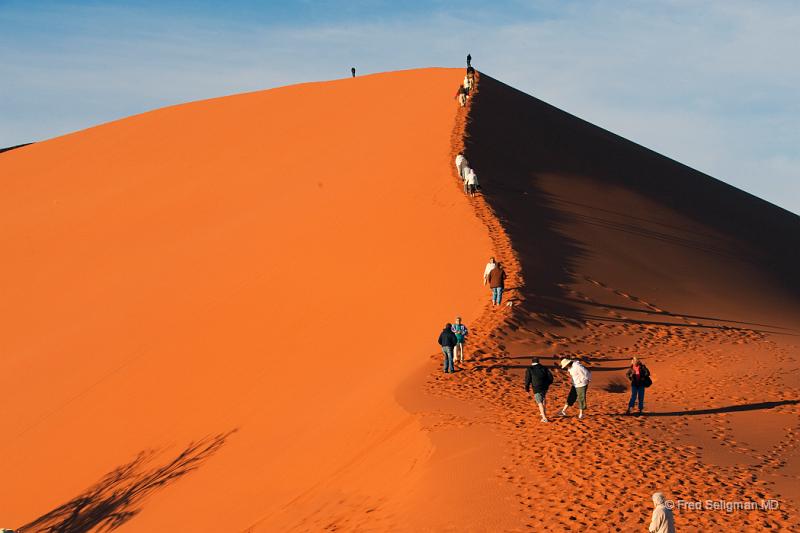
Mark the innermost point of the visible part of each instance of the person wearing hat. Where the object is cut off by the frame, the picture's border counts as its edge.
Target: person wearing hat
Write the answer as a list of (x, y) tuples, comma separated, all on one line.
[(538, 378), (580, 381), (663, 520)]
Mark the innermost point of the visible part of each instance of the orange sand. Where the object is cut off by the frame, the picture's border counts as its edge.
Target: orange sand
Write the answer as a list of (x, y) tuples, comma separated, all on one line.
[(275, 262), (280, 263)]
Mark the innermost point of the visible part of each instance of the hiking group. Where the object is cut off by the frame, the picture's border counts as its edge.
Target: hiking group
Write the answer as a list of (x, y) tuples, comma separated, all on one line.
[(538, 377), (467, 85), (467, 175)]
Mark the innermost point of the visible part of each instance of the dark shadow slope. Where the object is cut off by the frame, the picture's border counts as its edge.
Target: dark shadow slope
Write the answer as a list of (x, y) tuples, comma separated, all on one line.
[(515, 139), (13, 147)]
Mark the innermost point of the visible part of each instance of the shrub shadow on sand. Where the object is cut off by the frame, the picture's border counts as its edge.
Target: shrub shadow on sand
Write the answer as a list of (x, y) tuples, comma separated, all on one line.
[(120, 494)]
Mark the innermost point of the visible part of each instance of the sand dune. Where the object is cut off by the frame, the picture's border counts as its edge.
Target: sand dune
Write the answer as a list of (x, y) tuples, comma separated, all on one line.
[(275, 263), (222, 316)]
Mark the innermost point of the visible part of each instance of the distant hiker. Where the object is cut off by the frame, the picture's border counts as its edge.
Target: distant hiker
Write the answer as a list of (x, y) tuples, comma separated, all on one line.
[(580, 381), (469, 61), (471, 75), (471, 182), (448, 340), (497, 282), (353, 71), (639, 376), (538, 378), (489, 266), (461, 333), (466, 170), (461, 164), (663, 520), (468, 83), (461, 96)]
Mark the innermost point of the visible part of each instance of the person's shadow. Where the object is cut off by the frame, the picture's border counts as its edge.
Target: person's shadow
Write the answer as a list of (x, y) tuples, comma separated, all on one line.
[(120, 494), (727, 409)]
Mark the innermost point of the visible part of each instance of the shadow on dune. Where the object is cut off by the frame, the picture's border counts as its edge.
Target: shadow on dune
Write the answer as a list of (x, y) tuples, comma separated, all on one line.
[(120, 494), (9, 148), (728, 409), (628, 309), (515, 139)]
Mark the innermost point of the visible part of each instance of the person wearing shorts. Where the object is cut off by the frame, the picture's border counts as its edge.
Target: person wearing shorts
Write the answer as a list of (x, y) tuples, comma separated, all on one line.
[(538, 378), (461, 333), (580, 381)]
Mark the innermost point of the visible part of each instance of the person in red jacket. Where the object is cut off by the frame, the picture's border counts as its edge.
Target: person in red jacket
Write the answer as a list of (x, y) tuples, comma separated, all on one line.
[(639, 376), (497, 282)]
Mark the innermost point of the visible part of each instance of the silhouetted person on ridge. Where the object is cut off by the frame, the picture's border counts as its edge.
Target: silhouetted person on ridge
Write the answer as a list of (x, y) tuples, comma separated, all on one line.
[(353, 71), (469, 61)]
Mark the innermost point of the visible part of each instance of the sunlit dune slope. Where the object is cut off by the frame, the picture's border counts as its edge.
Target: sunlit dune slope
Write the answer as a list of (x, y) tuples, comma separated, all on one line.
[(273, 263)]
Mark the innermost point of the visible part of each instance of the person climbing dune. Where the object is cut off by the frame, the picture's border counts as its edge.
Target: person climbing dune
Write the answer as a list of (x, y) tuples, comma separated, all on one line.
[(471, 182), (461, 333), (639, 376), (489, 267), (461, 164), (538, 378), (580, 382), (448, 341), (461, 96), (497, 282)]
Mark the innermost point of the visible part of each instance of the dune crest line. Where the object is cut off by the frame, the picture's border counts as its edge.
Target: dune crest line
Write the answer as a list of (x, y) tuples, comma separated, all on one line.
[(491, 319)]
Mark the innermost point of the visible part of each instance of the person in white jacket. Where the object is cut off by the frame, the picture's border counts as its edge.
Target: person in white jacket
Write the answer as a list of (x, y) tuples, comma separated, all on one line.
[(489, 267), (461, 164), (580, 381), (663, 520), (470, 182)]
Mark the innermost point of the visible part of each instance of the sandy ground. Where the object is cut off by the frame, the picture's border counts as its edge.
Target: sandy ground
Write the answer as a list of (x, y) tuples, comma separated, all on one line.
[(251, 288), (275, 264)]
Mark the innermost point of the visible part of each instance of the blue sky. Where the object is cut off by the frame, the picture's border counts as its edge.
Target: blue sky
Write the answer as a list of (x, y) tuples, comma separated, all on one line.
[(713, 84)]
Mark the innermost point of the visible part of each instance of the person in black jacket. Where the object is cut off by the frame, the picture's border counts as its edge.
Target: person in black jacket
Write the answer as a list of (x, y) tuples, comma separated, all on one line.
[(538, 378), (448, 340), (639, 376)]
